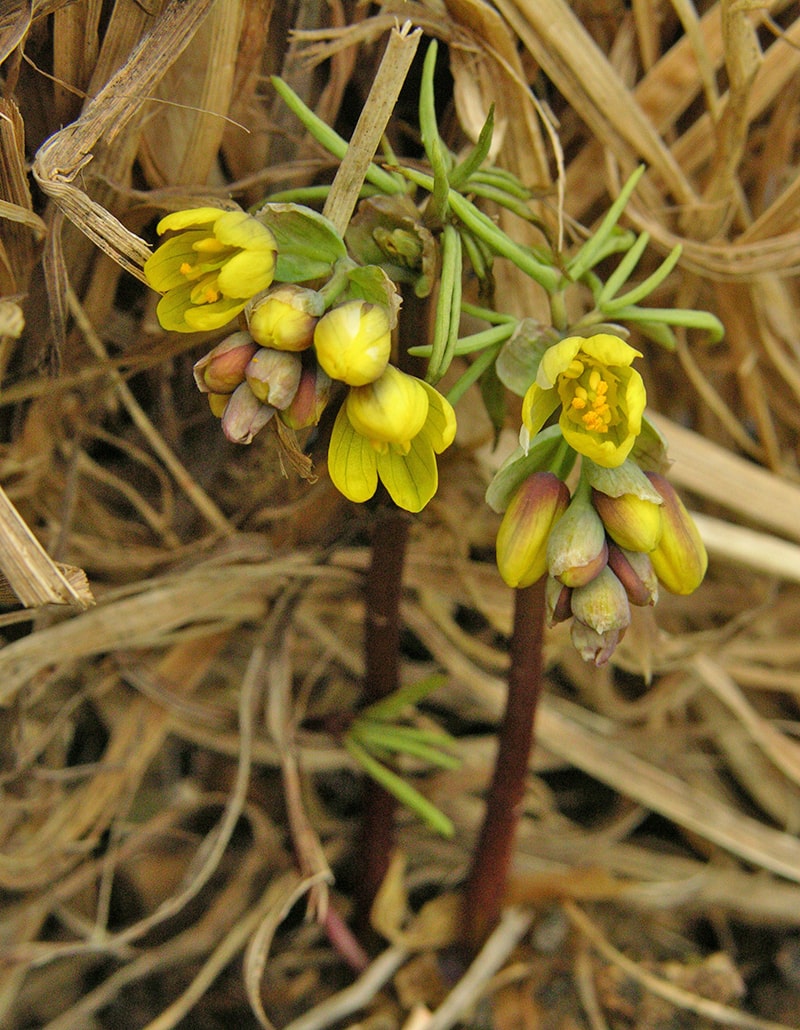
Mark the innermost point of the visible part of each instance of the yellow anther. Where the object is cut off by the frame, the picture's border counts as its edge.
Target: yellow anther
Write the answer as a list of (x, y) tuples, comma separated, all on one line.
[(594, 379), (579, 403)]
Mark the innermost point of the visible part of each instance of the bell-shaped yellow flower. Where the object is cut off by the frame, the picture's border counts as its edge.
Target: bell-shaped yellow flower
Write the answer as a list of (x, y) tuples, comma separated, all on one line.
[(210, 268), (391, 429), (602, 398)]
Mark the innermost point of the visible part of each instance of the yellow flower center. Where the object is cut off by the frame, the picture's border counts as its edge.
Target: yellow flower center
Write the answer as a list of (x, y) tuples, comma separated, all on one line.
[(211, 255), (588, 392)]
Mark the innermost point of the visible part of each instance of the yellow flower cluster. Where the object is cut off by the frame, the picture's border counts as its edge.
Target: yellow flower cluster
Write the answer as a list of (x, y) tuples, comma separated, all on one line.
[(220, 264), (602, 550)]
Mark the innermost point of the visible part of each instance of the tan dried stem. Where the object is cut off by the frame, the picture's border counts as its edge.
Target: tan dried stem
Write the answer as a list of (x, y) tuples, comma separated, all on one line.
[(371, 125)]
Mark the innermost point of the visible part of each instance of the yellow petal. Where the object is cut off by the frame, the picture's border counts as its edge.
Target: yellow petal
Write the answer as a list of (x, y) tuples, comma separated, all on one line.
[(352, 463), (557, 359), (238, 229), (247, 273), (440, 425), (205, 317), (192, 218), (609, 350), (412, 478), (163, 268), (537, 407)]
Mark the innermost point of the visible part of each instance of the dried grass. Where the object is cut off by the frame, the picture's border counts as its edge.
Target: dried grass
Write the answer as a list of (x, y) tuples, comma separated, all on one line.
[(167, 798)]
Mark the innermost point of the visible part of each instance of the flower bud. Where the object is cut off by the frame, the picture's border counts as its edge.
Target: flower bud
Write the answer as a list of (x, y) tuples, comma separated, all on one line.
[(577, 548), (631, 521), (593, 646), (353, 342), (534, 510), (602, 604), (222, 369), (393, 409), (285, 318), (680, 559), (274, 375), (244, 415), (311, 397), (558, 601), (635, 571)]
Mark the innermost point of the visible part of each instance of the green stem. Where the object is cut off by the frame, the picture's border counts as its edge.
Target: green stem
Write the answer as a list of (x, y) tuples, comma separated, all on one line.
[(491, 861)]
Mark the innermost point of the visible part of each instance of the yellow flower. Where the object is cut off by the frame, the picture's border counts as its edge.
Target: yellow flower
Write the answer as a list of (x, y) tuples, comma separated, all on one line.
[(392, 429), (209, 270), (602, 398), (353, 342)]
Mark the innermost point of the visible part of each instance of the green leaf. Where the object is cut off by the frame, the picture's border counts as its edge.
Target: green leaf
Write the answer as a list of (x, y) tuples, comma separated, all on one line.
[(330, 139), (429, 130), (626, 478), (448, 307), (494, 398), (408, 740), (472, 162), (402, 790), (645, 288), (308, 244), (594, 248), (548, 452), (702, 320), (372, 284), (404, 697), (518, 361)]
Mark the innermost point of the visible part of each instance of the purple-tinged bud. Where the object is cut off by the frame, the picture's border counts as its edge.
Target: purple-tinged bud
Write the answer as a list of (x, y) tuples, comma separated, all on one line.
[(522, 538), (631, 521), (285, 318), (593, 646), (311, 397), (244, 415), (602, 604), (635, 571), (274, 375), (222, 369), (558, 601), (577, 550), (680, 559)]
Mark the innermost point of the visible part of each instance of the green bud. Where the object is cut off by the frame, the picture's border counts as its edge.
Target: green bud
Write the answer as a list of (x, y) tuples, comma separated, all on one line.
[(353, 342), (285, 318), (244, 415), (680, 559), (223, 368), (630, 521), (534, 510), (577, 550), (274, 375), (602, 604)]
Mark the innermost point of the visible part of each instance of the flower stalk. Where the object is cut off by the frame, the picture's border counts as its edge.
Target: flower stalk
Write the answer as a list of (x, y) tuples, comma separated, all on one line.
[(491, 861)]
